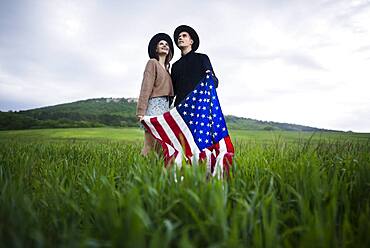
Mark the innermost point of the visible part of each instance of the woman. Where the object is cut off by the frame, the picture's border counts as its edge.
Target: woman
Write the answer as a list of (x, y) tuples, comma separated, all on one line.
[(156, 88)]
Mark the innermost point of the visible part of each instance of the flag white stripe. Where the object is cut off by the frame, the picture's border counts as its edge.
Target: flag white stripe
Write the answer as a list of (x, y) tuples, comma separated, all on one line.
[(219, 166), (209, 161), (171, 151), (151, 127), (185, 130), (170, 133), (178, 160), (223, 147)]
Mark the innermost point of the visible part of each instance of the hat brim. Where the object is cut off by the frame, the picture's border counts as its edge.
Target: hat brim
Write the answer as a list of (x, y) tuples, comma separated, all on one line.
[(194, 36), (152, 47)]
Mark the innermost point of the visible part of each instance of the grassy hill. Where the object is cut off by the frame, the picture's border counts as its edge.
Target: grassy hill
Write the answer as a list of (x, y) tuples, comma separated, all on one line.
[(242, 123), (86, 113), (118, 112)]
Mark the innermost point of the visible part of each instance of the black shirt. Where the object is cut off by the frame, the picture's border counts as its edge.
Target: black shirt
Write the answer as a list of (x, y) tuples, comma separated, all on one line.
[(187, 72)]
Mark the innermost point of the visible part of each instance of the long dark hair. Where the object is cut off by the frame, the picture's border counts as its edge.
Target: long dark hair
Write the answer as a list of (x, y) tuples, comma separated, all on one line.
[(168, 59)]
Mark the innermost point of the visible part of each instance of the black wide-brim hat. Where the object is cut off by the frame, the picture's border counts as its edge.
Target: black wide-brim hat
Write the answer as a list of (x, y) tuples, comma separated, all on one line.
[(154, 41), (194, 36)]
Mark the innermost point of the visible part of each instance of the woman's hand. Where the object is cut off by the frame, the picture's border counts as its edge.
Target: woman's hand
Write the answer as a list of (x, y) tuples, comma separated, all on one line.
[(140, 117)]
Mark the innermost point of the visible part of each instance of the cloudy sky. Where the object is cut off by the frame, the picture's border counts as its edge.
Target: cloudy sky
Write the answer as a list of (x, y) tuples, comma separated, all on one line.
[(303, 62)]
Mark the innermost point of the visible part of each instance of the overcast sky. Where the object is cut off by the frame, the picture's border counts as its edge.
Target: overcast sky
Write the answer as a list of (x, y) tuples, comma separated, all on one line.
[(302, 62)]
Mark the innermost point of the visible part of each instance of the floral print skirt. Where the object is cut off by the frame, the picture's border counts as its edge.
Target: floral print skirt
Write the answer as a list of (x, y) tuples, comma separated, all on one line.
[(157, 106)]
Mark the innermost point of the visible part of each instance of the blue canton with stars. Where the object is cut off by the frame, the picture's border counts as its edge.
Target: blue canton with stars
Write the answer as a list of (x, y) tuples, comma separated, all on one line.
[(202, 113)]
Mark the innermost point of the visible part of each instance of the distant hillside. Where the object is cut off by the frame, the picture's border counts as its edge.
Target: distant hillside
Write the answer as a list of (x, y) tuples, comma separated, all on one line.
[(86, 113), (235, 122), (119, 112)]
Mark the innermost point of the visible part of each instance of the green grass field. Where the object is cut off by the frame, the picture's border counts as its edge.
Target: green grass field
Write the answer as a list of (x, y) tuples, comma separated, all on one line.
[(90, 187), (135, 134)]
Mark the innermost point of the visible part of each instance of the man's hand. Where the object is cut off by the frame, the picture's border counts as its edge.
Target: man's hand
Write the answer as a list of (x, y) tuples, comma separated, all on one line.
[(140, 117), (215, 79)]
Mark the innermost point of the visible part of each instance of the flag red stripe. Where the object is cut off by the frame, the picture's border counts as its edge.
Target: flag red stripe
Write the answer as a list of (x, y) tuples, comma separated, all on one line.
[(163, 139), (164, 146), (160, 130), (217, 147), (229, 145), (178, 133), (213, 162)]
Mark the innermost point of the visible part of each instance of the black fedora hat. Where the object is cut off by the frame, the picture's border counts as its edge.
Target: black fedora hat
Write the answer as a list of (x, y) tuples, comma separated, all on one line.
[(154, 41), (194, 36)]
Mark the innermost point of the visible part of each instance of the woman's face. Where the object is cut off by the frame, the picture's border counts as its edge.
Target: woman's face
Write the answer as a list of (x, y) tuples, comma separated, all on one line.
[(162, 47)]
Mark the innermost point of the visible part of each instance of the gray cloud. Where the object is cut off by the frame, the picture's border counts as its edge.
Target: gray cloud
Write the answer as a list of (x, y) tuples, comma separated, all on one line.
[(294, 59), (58, 51), (302, 60)]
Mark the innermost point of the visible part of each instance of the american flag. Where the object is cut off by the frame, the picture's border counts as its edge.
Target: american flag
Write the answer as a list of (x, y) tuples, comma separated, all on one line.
[(195, 130)]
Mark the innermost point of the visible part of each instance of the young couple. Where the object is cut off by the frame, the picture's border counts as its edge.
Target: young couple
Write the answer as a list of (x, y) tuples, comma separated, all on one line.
[(158, 86)]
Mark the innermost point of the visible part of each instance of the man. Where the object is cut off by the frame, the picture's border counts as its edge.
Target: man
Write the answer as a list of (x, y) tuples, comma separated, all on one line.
[(187, 72)]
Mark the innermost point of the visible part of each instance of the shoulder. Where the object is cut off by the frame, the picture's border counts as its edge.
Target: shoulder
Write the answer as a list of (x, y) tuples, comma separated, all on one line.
[(175, 64), (202, 56), (151, 66), (151, 63)]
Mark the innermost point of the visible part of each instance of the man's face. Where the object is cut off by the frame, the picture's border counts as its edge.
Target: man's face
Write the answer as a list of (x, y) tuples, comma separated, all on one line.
[(184, 40)]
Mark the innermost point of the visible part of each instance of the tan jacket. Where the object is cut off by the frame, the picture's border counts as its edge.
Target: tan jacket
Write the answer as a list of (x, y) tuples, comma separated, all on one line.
[(156, 82)]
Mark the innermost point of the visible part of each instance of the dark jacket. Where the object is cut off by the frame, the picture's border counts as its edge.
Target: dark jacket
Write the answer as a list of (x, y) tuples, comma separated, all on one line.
[(187, 72)]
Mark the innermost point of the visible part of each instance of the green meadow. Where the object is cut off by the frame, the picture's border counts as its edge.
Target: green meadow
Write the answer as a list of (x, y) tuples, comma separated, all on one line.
[(90, 187), (135, 134)]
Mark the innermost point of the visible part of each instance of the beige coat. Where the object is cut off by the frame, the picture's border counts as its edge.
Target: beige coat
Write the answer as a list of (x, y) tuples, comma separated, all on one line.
[(156, 82)]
